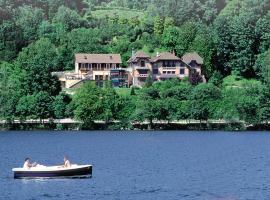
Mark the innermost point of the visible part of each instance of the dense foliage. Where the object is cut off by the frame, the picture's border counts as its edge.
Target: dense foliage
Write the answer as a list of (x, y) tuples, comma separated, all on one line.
[(41, 36)]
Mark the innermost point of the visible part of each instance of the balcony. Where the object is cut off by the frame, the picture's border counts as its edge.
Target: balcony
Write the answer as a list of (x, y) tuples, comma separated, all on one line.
[(142, 75), (141, 68), (168, 68)]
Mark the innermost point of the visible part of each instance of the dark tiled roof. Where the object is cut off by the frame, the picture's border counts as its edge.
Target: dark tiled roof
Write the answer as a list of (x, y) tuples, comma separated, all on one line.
[(98, 58), (189, 57)]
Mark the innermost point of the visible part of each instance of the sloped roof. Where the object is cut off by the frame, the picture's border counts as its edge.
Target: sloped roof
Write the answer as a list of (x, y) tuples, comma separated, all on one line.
[(165, 56), (98, 58), (188, 57), (141, 54), (138, 54)]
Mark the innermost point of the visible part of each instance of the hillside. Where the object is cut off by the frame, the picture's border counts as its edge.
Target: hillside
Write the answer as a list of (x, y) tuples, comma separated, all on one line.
[(121, 13)]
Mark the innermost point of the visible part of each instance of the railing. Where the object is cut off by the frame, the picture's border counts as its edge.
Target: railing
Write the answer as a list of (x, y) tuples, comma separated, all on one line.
[(142, 75), (169, 68), (140, 67), (73, 77), (98, 69)]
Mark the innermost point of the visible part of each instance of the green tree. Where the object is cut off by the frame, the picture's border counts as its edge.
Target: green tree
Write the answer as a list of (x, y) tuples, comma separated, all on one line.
[(11, 90), (148, 82), (108, 101), (69, 18), (29, 20), (158, 26), (170, 38), (87, 104), (148, 106), (60, 104), (77, 41), (216, 78), (11, 40), (132, 92), (38, 60), (203, 101), (26, 107), (43, 107), (204, 45), (185, 38)]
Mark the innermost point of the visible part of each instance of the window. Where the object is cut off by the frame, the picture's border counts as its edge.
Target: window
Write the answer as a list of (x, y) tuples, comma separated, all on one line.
[(193, 63), (173, 72), (164, 72), (142, 63), (155, 71), (164, 64), (169, 72), (182, 71)]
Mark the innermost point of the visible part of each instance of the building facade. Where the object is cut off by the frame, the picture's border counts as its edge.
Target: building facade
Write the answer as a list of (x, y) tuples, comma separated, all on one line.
[(161, 67), (97, 67), (102, 67), (94, 67)]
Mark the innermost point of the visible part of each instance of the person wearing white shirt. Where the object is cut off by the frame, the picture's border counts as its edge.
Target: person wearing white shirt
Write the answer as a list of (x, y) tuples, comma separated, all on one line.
[(27, 164), (67, 163)]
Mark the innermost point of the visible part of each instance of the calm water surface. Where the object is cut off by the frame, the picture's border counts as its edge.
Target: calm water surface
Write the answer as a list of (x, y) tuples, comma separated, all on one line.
[(141, 165)]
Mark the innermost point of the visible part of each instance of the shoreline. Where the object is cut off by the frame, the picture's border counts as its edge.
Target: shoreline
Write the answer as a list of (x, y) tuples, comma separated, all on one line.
[(188, 125)]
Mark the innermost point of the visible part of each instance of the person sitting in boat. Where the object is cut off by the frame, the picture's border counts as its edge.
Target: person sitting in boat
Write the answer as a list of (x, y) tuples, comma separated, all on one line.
[(27, 164), (67, 163)]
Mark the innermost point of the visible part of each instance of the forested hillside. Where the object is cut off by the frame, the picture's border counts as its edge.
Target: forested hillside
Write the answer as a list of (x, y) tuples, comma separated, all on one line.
[(42, 36)]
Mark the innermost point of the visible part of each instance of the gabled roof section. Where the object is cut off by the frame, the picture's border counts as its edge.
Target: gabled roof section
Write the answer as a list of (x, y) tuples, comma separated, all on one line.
[(165, 56), (138, 54), (98, 58), (194, 56)]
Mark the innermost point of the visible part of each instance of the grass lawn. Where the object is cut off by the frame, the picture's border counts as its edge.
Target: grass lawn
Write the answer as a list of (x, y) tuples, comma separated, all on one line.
[(123, 13), (123, 91), (235, 81)]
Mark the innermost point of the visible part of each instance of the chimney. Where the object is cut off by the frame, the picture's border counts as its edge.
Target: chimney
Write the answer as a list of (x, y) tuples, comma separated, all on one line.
[(111, 57), (133, 53), (157, 54)]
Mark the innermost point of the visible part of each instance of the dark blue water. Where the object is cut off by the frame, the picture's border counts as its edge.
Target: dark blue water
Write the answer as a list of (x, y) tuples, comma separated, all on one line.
[(141, 165)]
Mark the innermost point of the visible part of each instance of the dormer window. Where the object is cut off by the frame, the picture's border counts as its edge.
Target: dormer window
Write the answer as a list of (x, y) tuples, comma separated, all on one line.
[(193, 63), (142, 63)]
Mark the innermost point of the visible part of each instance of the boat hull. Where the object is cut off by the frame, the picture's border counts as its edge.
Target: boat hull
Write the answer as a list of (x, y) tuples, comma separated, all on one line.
[(79, 172)]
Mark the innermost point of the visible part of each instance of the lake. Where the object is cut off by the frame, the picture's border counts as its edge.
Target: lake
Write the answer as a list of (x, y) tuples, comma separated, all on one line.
[(161, 165)]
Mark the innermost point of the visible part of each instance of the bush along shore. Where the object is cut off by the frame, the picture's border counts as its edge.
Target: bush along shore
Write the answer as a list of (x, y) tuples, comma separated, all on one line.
[(113, 126)]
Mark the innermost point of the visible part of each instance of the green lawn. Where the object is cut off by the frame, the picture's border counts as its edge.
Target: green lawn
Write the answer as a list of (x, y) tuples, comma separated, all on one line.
[(122, 13), (236, 81), (123, 91)]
